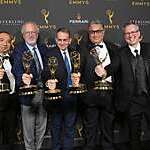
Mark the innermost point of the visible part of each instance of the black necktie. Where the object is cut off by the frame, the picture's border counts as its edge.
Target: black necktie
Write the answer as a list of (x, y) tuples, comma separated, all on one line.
[(136, 53), (68, 69), (37, 62)]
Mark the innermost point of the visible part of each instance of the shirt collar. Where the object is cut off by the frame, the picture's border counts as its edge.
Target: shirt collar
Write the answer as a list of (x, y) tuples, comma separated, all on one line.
[(138, 47), (62, 51), (31, 47)]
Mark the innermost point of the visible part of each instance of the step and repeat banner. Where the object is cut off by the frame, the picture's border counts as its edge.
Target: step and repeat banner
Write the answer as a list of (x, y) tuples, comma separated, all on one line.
[(74, 14)]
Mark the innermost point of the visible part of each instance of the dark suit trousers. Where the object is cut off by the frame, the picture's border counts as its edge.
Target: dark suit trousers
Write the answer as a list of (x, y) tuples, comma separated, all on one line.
[(8, 120), (98, 114), (134, 119), (63, 123)]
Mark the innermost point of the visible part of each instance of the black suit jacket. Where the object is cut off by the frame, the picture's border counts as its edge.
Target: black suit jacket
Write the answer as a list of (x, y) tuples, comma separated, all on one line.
[(125, 78), (88, 74), (61, 72), (69, 101), (88, 62), (7, 101)]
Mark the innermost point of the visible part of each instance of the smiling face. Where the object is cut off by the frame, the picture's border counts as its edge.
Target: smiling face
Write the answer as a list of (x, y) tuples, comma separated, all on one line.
[(30, 33), (132, 34), (5, 43), (63, 40), (96, 33)]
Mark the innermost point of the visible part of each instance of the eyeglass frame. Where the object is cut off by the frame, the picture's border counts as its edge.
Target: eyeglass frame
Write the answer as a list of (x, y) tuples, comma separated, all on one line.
[(132, 32), (96, 31)]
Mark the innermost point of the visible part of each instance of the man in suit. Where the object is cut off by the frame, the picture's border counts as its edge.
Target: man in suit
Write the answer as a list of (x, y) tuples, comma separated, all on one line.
[(34, 116), (8, 99), (98, 111), (63, 116), (132, 67)]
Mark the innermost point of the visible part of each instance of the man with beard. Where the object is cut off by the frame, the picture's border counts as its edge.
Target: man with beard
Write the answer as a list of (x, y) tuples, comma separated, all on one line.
[(34, 117)]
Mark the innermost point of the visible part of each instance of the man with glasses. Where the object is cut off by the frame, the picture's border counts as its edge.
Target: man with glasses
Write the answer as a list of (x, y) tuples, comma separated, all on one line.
[(98, 103), (34, 117), (133, 82)]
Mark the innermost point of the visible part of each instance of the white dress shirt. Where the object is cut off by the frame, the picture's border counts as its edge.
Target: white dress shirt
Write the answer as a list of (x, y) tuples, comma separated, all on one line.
[(38, 53), (67, 54), (7, 67), (104, 57), (138, 47)]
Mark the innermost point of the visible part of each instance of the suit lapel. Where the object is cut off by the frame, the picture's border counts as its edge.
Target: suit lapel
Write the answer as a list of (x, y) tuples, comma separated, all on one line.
[(145, 59), (110, 51)]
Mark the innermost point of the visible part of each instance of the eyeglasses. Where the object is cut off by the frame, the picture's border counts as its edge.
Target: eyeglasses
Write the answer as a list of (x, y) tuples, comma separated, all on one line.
[(30, 32), (95, 31), (132, 32)]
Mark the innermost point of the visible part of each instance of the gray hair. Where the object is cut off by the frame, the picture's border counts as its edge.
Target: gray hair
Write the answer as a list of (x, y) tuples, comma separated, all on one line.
[(95, 22), (29, 22), (130, 23)]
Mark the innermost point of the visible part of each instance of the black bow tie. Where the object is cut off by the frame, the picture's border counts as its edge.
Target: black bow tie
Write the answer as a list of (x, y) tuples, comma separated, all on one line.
[(4, 57), (101, 46)]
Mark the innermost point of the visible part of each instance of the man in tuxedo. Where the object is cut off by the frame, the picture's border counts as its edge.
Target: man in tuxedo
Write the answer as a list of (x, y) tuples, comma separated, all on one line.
[(98, 110), (132, 70), (8, 99), (34, 116), (63, 115)]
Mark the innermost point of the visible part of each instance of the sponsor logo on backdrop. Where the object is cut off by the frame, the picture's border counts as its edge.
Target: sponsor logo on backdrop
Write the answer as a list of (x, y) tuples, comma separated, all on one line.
[(45, 18), (78, 19), (10, 2), (78, 2), (110, 20), (11, 22), (142, 3), (140, 22)]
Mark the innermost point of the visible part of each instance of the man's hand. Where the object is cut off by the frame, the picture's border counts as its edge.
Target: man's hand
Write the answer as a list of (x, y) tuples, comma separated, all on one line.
[(100, 71), (51, 84), (26, 78), (1, 73), (75, 78)]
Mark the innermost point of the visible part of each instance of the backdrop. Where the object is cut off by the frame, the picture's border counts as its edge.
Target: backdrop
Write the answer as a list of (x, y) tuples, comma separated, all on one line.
[(75, 14)]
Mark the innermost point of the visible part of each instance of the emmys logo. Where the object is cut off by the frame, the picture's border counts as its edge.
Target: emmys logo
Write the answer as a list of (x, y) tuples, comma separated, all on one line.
[(110, 14), (78, 20), (10, 2), (45, 14), (142, 3), (77, 38), (111, 24), (78, 2), (46, 25)]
